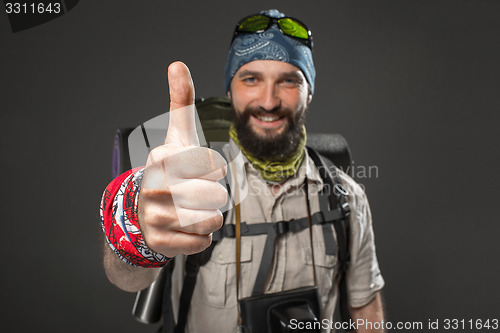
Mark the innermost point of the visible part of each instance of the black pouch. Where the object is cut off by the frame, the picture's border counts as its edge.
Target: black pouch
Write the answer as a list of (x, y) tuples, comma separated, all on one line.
[(295, 310)]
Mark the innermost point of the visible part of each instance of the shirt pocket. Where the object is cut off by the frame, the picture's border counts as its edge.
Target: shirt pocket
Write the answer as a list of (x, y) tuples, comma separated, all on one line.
[(325, 264), (217, 279), (321, 259)]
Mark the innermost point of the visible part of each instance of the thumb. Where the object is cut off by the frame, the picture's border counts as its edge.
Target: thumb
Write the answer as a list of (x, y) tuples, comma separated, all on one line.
[(182, 126)]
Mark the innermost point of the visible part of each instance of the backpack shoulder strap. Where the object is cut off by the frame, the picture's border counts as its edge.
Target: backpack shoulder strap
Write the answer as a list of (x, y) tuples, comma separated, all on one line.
[(337, 197)]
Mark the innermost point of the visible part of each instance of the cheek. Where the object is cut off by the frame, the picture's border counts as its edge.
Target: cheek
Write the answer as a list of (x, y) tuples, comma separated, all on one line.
[(242, 98), (296, 100), (237, 104)]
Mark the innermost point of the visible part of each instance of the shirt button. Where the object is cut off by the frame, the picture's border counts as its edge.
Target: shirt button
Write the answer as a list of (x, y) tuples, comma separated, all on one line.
[(220, 256)]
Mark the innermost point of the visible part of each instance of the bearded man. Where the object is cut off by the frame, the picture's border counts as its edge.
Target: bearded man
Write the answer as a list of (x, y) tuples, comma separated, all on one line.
[(275, 182)]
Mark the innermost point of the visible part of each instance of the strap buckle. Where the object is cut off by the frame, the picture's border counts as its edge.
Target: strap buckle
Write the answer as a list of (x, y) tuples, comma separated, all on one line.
[(229, 230), (340, 190), (282, 227), (346, 209)]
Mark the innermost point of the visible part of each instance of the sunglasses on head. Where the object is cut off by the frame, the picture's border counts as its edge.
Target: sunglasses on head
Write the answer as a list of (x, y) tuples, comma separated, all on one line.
[(288, 26)]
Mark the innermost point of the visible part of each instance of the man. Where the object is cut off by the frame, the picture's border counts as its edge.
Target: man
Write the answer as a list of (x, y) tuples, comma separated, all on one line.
[(172, 208)]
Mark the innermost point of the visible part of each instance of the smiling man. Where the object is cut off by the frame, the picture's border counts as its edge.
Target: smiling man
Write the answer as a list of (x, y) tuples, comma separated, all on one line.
[(270, 100), (274, 249)]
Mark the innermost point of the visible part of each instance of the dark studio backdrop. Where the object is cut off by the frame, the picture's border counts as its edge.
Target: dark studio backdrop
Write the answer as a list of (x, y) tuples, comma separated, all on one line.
[(413, 86)]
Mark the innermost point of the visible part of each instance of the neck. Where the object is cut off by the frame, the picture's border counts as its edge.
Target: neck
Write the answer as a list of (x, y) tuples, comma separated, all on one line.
[(275, 172)]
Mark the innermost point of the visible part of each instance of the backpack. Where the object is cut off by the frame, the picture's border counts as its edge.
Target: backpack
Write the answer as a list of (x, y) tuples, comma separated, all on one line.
[(328, 151)]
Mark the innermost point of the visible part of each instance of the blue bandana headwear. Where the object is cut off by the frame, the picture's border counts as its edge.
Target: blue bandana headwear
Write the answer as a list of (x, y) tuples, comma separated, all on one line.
[(269, 45)]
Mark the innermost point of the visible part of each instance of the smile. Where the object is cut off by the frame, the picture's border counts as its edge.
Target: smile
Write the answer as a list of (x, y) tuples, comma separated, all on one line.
[(268, 118), (268, 121)]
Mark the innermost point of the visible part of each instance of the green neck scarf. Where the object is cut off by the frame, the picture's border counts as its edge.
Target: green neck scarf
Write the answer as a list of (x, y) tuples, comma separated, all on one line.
[(279, 170)]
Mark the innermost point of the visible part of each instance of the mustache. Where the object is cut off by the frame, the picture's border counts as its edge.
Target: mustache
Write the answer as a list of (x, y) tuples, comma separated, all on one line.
[(269, 145), (280, 112)]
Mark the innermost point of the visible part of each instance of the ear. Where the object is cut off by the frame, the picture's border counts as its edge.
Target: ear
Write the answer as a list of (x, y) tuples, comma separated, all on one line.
[(229, 94), (309, 94), (309, 98)]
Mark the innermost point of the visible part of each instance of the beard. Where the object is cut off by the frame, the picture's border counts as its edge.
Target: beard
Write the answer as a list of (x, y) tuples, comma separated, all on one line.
[(276, 146)]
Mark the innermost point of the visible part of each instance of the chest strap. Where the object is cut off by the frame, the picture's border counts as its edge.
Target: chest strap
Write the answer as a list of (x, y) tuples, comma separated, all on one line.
[(321, 217), (274, 229)]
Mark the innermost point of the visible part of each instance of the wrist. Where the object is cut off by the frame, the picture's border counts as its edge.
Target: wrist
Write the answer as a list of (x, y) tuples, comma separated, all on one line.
[(120, 223)]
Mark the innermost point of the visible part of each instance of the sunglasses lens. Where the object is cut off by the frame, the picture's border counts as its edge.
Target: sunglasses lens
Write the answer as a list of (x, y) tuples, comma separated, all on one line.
[(293, 28), (254, 23)]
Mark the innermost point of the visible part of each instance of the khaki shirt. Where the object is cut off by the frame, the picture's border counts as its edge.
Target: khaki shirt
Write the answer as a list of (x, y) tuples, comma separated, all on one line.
[(214, 304)]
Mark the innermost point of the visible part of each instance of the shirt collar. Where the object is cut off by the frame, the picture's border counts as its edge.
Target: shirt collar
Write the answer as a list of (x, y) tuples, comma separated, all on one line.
[(307, 168)]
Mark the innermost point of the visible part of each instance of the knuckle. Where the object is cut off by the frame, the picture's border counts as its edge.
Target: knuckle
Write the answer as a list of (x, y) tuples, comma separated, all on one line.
[(201, 244), (206, 226), (156, 154), (155, 241), (168, 159), (212, 224), (215, 195), (218, 221), (220, 196), (163, 154), (194, 244), (156, 215), (219, 160)]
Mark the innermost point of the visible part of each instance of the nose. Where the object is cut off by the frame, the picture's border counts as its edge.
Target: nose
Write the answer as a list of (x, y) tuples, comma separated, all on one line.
[(269, 99)]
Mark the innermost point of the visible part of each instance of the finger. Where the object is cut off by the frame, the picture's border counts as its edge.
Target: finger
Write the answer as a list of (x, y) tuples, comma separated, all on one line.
[(196, 221), (174, 243), (182, 126), (183, 163), (197, 162), (198, 194), (190, 244), (188, 194)]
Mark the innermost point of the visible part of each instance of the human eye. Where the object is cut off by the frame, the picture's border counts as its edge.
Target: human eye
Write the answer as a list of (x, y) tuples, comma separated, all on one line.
[(291, 82), (250, 79)]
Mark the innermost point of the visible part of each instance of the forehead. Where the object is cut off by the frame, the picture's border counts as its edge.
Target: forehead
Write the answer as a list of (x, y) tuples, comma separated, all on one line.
[(270, 68)]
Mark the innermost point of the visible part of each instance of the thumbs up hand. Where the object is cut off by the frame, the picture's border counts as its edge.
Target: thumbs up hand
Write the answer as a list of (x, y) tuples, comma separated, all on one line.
[(180, 194)]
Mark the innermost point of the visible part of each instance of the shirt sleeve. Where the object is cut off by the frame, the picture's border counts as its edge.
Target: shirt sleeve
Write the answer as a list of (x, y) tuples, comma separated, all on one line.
[(364, 278)]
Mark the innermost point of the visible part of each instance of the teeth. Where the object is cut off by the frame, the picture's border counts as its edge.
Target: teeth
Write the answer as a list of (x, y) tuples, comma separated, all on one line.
[(267, 118)]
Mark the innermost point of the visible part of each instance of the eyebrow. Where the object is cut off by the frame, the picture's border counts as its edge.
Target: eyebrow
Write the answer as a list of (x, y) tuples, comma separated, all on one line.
[(291, 74), (248, 73)]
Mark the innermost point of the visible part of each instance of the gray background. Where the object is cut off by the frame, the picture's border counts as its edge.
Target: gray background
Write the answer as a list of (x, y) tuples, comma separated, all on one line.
[(412, 85)]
